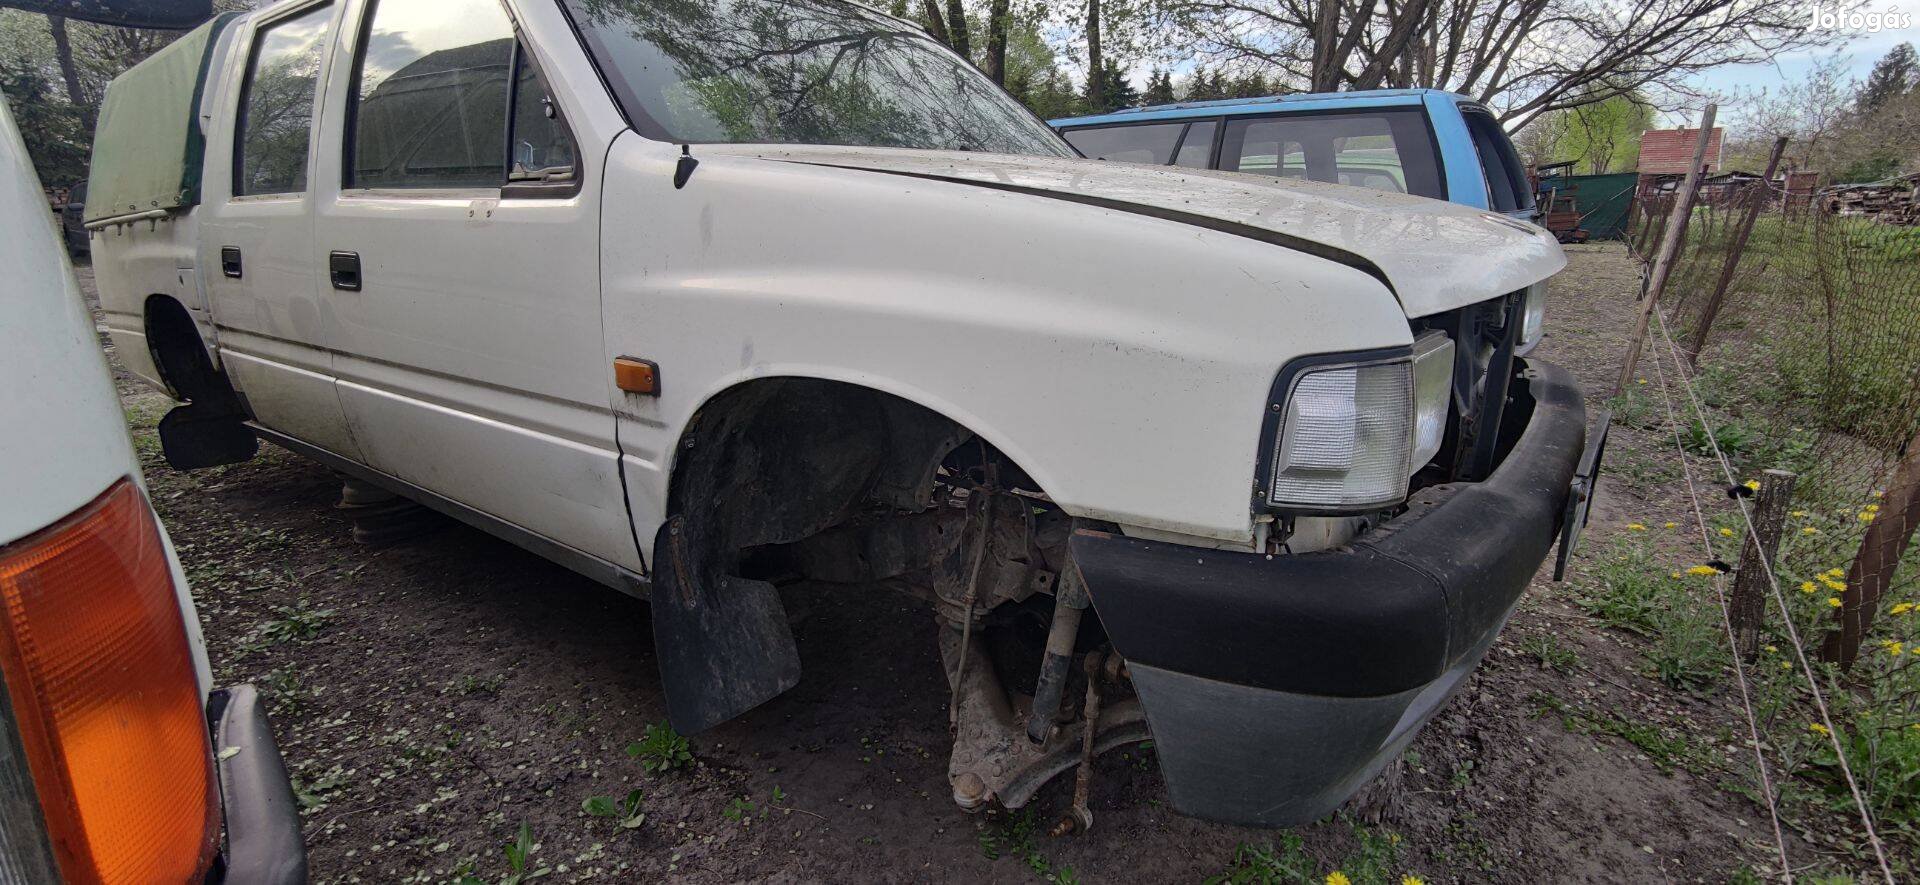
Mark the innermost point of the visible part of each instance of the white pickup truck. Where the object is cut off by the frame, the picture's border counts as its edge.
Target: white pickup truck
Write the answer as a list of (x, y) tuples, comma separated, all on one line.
[(703, 298)]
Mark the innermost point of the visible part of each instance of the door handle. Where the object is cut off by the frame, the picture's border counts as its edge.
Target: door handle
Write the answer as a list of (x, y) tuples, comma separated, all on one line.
[(344, 268), (230, 261)]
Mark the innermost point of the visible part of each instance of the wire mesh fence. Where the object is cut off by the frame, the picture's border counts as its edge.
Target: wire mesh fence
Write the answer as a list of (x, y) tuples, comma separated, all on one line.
[(1794, 324)]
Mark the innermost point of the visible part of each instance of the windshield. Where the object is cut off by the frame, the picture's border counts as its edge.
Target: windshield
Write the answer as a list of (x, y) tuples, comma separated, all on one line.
[(798, 72)]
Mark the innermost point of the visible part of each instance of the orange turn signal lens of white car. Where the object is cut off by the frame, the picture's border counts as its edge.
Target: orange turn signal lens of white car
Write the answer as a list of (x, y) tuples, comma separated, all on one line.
[(101, 678), (636, 375)]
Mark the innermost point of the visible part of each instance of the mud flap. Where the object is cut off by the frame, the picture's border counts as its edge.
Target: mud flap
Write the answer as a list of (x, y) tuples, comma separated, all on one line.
[(196, 436), (723, 641)]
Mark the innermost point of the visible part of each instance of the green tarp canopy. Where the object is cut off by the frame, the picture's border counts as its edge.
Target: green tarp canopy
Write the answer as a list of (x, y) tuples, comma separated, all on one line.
[(1603, 200), (148, 147)]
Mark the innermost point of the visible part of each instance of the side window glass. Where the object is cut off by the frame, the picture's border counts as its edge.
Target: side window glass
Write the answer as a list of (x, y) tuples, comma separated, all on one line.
[(1388, 149), (1152, 144), (277, 110), (429, 102), (1197, 148), (542, 148)]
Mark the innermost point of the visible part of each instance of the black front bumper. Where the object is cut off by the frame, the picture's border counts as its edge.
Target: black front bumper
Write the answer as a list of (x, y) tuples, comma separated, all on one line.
[(1277, 685), (263, 845)]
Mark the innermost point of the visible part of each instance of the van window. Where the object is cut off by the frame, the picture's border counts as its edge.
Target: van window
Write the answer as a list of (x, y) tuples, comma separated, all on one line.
[(1196, 150), (276, 110), (429, 101), (1507, 186), (1388, 150), (1151, 144)]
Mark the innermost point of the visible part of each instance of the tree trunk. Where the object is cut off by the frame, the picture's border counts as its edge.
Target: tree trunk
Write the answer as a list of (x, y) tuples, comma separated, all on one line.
[(936, 23), (996, 68), (63, 52), (1326, 28), (957, 29), (1096, 70)]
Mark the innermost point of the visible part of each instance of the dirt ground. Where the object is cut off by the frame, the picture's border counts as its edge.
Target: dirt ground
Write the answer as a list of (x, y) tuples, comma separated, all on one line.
[(434, 695)]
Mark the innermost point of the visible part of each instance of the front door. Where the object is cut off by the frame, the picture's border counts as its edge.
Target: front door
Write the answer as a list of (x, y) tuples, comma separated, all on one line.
[(276, 332), (464, 274)]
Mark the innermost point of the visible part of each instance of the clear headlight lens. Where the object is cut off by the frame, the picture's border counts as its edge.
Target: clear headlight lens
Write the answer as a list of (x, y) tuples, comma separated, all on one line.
[(1533, 319), (1432, 394), (1346, 437)]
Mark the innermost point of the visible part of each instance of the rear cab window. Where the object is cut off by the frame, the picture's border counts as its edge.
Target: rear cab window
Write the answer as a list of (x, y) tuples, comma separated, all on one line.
[(1506, 177), (1384, 149)]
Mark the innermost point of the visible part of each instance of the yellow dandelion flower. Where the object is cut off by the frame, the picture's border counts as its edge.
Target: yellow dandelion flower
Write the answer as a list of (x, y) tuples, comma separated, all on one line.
[(1806, 586), (1338, 878), (1703, 570), (1412, 880), (1639, 380), (1832, 584), (1786, 665), (1814, 727), (1835, 572), (1833, 601), (1726, 533), (1866, 517), (1893, 646), (1636, 527), (1871, 508), (1879, 494), (1773, 649), (1901, 608), (1676, 574), (1809, 530), (1798, 514), (1672, 524), (1753, 485)]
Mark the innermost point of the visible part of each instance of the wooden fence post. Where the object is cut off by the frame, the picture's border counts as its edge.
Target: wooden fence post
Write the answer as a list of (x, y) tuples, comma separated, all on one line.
[(1749, 603), (1669, 250), (1880, 551), (1755, 203)]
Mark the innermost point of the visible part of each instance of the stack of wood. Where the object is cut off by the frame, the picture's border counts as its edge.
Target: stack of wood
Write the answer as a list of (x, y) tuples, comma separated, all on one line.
[(1888, 202)]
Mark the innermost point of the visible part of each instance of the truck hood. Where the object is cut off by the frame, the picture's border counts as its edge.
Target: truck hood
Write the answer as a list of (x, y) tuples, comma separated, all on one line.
[(1435, 256)]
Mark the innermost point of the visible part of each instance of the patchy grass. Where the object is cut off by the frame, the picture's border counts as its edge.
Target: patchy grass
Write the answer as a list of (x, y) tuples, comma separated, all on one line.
[(1666, 748), (1375, 860)]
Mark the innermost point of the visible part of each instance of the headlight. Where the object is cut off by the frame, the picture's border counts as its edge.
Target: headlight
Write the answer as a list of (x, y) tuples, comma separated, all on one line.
[(1351, 431), (1345, 440), (1533, 318)]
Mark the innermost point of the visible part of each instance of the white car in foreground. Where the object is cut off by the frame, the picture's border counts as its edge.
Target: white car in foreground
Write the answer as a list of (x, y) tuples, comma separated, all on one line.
[(118, 760), (702, 298)]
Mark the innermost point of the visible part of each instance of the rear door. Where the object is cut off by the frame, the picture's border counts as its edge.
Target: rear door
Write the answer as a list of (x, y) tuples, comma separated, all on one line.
[(464, 273), (256, 228)]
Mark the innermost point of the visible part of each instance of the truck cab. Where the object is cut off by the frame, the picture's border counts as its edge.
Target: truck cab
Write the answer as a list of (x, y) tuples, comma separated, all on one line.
[(1424, 142), (703, 299)]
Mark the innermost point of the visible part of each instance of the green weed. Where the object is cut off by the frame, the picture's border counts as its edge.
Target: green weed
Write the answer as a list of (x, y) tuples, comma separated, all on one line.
[(661, 749), (626, 812)]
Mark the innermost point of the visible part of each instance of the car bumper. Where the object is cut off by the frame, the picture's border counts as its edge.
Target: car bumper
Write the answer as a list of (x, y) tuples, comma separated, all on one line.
[(263, 844), (1276, 686)]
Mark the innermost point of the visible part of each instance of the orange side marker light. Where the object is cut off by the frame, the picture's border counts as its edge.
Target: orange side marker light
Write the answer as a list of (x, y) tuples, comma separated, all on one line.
[(636, 376)]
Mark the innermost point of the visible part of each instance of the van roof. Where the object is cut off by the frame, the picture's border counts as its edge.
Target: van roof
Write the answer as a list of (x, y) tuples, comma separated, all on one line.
[(1370, 98)]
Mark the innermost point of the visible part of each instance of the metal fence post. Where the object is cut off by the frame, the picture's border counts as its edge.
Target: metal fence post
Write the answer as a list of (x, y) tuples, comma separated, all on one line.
[(1749, 606)]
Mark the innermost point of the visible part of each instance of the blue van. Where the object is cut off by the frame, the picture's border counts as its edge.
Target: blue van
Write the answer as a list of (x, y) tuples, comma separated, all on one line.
[(1417, 141)]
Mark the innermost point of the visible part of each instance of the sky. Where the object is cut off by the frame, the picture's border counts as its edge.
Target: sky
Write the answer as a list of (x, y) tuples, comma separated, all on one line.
[(1861, 49)]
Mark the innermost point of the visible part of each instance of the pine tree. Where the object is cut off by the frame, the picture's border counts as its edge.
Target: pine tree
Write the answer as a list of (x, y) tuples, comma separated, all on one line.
[(1116, 91), (1160, 88), (1893, 75)]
